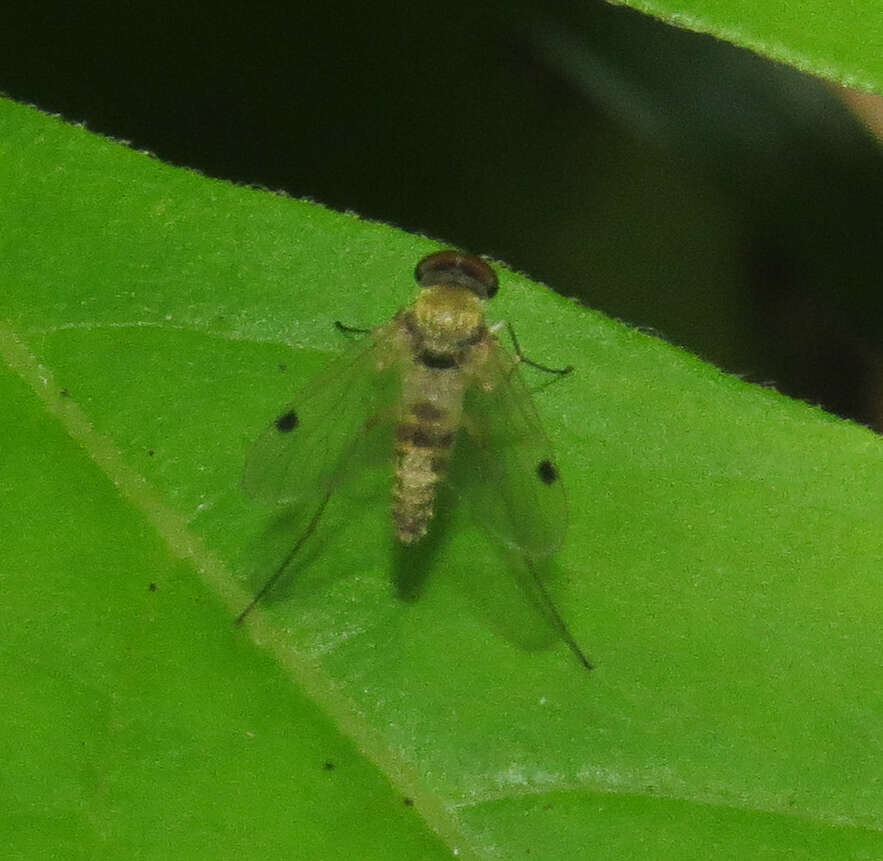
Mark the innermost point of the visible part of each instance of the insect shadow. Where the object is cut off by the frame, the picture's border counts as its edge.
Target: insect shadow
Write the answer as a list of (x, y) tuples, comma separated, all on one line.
[(413, 563)]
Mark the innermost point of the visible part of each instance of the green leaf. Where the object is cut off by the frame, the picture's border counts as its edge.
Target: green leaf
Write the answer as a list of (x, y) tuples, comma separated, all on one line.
[(839, 41), (722, 568)]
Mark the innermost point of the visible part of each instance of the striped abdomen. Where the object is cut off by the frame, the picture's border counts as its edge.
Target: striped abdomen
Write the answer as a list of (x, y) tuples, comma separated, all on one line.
[(432, 405), (424, 439)]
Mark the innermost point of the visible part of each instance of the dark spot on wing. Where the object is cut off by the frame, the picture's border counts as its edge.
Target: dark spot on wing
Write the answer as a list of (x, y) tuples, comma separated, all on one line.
[(427, 412), (328, 765), (287, 422), (423, 437), (437, 361), (547, 471), (151, 587), (408, 802)]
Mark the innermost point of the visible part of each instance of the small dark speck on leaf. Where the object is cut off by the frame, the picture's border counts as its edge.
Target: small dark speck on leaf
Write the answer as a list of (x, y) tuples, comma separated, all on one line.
[(408, 802), (547, 472), (328, 765), (287, 422), (151, 587)]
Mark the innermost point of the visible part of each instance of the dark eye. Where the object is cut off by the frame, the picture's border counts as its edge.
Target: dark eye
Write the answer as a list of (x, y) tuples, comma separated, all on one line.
[(547, 471), (287, 422), (459, 270)]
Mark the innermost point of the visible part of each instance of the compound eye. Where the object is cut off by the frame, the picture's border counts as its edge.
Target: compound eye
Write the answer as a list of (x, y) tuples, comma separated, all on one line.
[(456, 269)]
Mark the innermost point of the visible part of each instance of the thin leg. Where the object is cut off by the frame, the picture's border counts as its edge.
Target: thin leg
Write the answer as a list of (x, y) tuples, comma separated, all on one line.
[(555, 618), (537, 365), (350, 330), (311, 527)]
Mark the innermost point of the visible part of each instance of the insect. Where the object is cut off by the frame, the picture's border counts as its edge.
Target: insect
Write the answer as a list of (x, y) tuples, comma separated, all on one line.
[(431, 385)]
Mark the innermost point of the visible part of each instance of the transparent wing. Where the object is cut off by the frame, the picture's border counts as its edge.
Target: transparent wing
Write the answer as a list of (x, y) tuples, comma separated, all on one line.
[(505, 461), (303, 454)]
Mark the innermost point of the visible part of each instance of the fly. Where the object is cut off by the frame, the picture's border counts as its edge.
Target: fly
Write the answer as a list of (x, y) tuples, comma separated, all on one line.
[(437, 382)]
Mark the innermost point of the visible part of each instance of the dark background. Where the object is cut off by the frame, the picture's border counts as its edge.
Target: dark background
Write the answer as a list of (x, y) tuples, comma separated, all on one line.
[(730, 204)]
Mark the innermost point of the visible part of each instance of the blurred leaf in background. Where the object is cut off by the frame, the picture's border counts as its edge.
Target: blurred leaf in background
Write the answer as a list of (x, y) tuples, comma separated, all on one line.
[(667, 178)]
